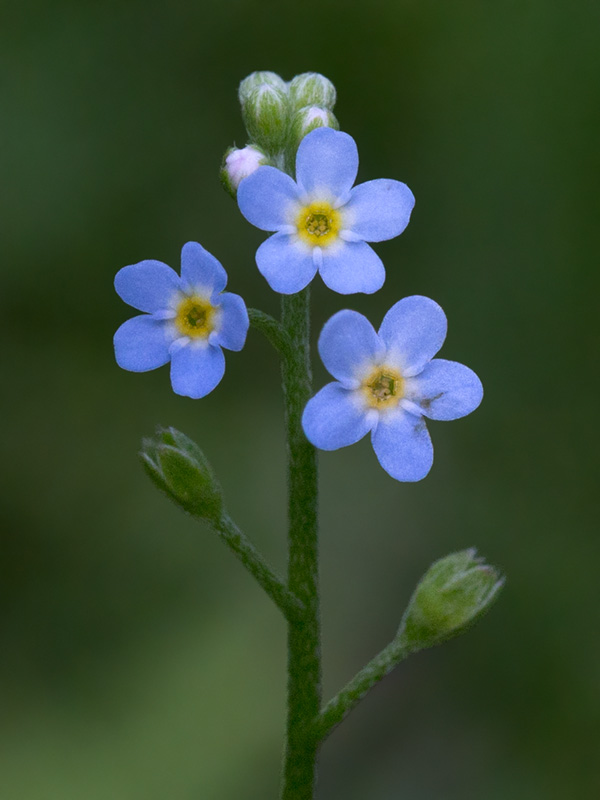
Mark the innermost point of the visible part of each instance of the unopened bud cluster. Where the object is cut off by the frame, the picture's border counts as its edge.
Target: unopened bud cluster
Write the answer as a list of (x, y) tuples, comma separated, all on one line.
[(454, 592), (277, 116)]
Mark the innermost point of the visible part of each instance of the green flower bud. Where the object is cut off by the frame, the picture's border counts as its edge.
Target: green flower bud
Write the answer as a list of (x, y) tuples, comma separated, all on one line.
[(179, 468), (238, 164), (452, 594), (307, 119), (312, 89), (265, 114), (256, 79)]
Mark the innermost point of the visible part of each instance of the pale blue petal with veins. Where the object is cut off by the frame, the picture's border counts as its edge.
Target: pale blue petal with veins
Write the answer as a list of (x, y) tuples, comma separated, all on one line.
[(320, 222), (387, 383), (189, 320)]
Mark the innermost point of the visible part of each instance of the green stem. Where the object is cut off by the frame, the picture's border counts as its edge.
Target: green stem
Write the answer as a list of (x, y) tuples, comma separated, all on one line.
[(272, 330), (349, 697), (304, 656), (243, 548)]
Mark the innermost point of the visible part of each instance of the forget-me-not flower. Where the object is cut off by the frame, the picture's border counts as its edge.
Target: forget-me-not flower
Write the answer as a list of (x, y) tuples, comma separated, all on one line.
[(187, 320), (386, 383), (321, 222)]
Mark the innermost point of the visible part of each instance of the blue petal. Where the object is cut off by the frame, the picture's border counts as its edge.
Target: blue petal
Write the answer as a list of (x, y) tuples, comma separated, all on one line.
[(200, 268), (142, 343), (147, 285), (379, 210), (402, 445), (350, 267), (196, 369), (286, 264), (349, 346), (327, 163), (445, 390), (335, 418), (414, 329), (234, 322), (267, 198)]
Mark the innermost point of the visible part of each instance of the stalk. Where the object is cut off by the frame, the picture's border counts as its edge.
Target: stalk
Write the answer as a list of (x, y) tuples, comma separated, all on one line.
[(304, 656)]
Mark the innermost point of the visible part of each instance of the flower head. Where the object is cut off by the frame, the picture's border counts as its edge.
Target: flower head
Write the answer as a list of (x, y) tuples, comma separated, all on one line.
[(386, 383), (187, 320), (321, 222)]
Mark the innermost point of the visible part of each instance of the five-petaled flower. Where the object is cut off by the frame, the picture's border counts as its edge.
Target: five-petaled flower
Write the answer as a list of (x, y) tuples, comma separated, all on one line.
[(188, 320), (321, 222), (386, 383)]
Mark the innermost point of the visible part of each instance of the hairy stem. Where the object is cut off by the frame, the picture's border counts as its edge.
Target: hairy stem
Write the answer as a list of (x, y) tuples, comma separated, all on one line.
[(304, 657), (350, 696), (254, 562), (271, 328)]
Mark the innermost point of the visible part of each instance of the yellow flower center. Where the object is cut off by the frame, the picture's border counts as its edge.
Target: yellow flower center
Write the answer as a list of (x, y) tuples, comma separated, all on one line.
[(195, 317), (383, 388), (318, 224)]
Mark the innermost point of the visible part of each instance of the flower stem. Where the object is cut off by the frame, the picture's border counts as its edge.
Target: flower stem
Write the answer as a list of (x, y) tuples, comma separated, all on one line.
[(304, 656), (254, 562), (350, 696), (272, 330)]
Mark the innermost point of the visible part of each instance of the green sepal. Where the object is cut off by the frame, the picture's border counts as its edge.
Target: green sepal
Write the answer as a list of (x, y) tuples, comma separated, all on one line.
[(312, 89), (224, 176), (266, 116), (256, 79), (179, 468), (308, 119), (454, 592)]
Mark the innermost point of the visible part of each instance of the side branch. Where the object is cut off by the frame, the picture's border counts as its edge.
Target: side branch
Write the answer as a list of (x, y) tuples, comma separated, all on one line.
[(271, 329), (254, 562), (350, 696)]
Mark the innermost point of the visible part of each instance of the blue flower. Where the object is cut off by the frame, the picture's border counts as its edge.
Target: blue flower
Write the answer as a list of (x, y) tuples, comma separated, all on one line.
[(323, 223), (188, 320), (386, 383)]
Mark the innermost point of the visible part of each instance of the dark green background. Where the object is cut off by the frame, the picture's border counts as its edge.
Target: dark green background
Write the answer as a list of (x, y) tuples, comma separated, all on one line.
[(139, 661)]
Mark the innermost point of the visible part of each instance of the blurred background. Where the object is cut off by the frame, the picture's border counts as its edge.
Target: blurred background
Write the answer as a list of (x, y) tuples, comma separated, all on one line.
[(139, 660)]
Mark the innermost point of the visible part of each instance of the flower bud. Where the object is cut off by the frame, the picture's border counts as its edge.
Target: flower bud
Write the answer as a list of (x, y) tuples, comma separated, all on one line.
[(179, 468), (256, 79), (238, 164), (452, 594), (265, 114), (307, 119), (312, 89)]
